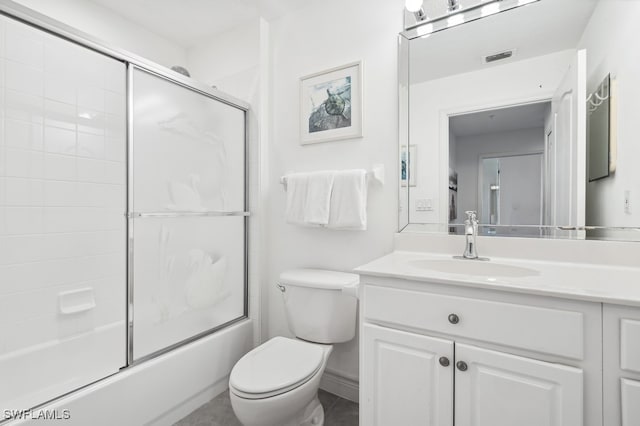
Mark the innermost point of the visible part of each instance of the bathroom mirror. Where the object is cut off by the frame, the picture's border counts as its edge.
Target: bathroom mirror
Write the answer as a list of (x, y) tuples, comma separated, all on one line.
[(525, 115)]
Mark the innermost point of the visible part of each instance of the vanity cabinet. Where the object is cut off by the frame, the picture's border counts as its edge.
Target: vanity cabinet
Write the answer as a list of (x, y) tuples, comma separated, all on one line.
[(439, 355), (498, 389), (621, 358), (410, 378)]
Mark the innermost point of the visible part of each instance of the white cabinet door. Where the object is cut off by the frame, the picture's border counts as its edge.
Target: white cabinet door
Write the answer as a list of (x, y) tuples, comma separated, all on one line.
[(403, 380), (630, 391), (498, 389)]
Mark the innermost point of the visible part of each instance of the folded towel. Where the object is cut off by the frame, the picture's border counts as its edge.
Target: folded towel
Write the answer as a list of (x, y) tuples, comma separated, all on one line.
[(349, 200), (296, 197), (319, 186)]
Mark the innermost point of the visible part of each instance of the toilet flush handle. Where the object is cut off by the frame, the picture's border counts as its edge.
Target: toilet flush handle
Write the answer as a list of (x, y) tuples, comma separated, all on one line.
[(281, 287)]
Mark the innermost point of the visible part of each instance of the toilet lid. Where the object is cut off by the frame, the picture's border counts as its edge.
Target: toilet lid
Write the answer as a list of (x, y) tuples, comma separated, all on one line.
[(280, 364)]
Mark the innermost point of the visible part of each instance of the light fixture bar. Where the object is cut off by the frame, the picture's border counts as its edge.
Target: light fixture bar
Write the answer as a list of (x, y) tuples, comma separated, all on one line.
[(467, 14)]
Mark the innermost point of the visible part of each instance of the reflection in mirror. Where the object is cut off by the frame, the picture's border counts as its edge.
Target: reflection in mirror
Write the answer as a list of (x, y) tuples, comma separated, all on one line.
[(516, 115)]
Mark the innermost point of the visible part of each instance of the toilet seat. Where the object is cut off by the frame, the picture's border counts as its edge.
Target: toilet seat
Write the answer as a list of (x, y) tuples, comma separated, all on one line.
[(275, 367)]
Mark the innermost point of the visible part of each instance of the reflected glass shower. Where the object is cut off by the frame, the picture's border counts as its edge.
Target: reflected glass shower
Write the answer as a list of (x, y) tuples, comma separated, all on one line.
[(123, 222)]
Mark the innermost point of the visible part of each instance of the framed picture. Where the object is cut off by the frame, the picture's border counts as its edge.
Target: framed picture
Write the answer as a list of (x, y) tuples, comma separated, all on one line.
[(331, 104), (408, 165)]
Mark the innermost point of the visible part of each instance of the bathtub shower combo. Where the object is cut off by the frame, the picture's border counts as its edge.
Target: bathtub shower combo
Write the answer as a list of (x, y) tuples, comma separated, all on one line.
[(123, 210)]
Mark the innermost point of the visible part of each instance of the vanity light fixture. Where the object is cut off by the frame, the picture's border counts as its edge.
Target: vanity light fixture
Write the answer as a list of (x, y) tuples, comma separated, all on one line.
[(455, 15), (453, 5), (415, 7)]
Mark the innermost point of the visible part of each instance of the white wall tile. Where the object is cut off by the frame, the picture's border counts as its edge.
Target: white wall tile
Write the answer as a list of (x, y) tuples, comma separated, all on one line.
[(23, 220), (24, 192), (114, 103), (23, 163), (115, 172), (60, 193), (59, 87), (23, 78), (114, 78), (90, 145), (59, 167), (22, 134), (24, 44), (60, 141), (90, 170), (91, 121), (60, 114), (91, 97), (115, 149), (115, 126), (22, 106)]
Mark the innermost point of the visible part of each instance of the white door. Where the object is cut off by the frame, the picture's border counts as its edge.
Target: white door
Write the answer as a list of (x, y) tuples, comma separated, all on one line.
[(498, 389), (568, 157), (406, 379)]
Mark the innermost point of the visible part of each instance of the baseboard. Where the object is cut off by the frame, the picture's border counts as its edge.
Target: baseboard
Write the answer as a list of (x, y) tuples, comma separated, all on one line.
[(339, 385)]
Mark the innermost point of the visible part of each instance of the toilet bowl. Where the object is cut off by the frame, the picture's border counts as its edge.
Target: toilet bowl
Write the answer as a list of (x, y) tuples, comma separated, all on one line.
[(276, 384)]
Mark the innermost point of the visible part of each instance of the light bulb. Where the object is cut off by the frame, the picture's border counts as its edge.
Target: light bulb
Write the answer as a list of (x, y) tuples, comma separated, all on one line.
[(424, 30), (490, 9), (454, 20), (413, 5)]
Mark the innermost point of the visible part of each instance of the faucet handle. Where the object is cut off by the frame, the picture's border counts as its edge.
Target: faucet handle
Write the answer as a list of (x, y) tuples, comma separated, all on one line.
[(471, 215)]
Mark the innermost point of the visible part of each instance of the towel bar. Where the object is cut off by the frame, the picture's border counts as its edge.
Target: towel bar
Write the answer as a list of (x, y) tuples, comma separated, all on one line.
[(376, 174)]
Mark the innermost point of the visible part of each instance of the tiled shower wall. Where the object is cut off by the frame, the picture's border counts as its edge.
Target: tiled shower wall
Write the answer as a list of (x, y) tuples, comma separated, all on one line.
[(62, 206)]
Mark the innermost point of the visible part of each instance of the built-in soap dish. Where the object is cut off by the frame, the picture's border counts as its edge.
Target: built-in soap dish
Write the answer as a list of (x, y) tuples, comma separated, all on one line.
[(76, 301)]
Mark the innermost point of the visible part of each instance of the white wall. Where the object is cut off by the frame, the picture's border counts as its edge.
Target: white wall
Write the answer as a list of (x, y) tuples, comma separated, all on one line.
[(324, 35), (467, 157), (230, 61), (432, 101), (114, 29), (607, 38)]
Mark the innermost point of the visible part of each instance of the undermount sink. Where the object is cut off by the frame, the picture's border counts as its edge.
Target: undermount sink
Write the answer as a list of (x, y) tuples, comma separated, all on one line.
[(473, 267)]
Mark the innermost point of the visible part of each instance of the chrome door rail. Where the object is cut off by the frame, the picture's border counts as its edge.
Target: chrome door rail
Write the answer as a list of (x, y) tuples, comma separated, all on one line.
[(134, 215)]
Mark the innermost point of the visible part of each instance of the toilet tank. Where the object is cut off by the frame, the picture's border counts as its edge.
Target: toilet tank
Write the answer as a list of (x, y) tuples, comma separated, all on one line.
[(320, 305)]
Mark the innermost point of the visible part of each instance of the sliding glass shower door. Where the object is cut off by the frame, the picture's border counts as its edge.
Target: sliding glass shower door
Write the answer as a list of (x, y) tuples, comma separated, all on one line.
[(187, 213), (62, 216)]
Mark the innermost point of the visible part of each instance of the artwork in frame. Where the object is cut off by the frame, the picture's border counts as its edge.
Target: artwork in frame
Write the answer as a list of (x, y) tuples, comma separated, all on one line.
[(331, 104), (408, 165)]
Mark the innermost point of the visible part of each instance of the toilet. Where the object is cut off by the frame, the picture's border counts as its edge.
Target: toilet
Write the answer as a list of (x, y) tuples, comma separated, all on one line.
[(276, 384)]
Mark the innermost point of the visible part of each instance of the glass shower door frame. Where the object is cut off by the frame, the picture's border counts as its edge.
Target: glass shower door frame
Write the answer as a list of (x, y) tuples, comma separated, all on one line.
[(132, 215)]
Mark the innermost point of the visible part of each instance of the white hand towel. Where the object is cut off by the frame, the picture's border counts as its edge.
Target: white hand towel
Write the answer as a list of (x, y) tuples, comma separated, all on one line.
[(319, 187), (296, 197), (349, 200)]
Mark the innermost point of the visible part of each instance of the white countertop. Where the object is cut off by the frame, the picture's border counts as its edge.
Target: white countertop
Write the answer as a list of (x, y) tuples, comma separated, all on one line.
[(578, 281)]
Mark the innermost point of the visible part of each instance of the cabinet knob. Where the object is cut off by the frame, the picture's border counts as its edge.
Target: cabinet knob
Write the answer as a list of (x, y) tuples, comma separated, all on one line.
[(444, 361), (454, 319), (462, 366)]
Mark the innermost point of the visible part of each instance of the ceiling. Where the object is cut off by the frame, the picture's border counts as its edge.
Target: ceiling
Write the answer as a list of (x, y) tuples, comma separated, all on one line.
[(187, 22), (535, 29), (520, 117)]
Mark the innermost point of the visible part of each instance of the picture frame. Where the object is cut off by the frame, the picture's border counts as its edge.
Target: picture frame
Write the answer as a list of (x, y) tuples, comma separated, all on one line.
[(331, 104), (408, 165)]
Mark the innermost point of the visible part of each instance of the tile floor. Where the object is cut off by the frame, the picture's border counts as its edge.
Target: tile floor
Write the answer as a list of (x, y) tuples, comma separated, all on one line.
[(218, 412)]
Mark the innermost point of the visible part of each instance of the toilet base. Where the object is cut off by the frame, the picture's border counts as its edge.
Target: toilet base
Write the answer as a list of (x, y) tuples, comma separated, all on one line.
[(313, 414)]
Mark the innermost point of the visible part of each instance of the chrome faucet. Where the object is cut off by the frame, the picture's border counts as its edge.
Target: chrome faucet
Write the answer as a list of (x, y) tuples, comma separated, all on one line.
[(470, 233)]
